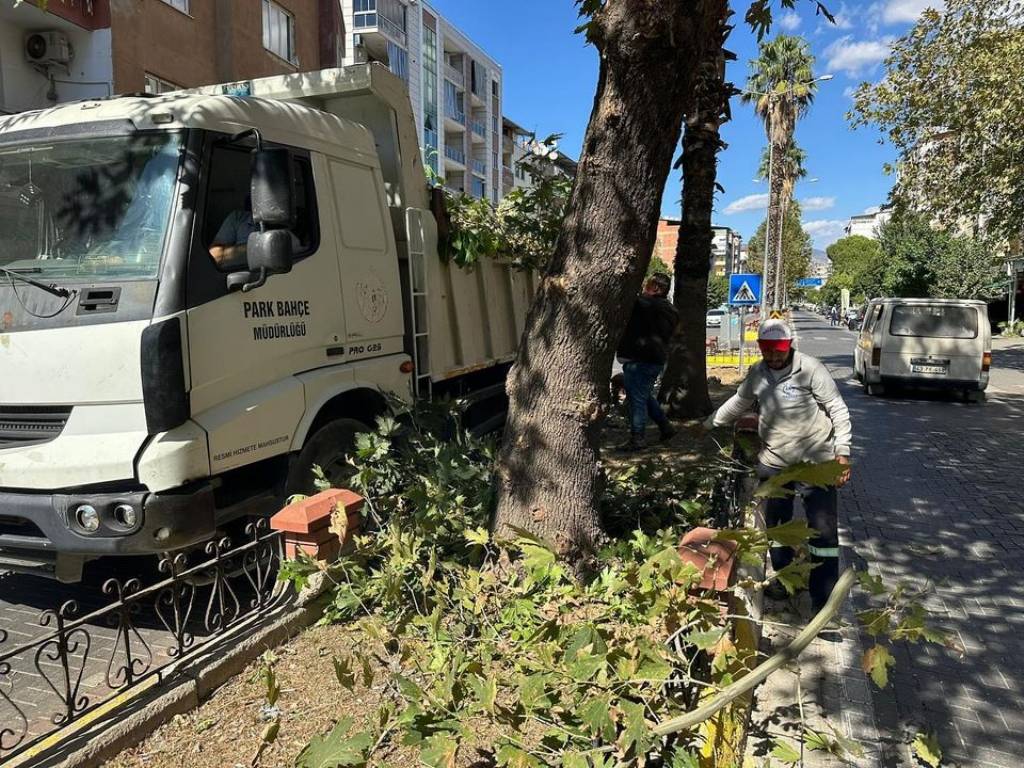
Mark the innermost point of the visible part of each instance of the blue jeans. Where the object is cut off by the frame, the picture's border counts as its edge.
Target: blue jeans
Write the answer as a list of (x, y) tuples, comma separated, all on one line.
[(639, 379)]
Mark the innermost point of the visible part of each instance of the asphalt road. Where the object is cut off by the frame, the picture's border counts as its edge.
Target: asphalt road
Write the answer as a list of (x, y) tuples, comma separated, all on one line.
[(936, 498)]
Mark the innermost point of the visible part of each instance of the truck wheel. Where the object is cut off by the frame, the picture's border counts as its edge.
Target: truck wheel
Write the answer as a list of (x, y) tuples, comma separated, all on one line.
[(327, 448), (875, 390)]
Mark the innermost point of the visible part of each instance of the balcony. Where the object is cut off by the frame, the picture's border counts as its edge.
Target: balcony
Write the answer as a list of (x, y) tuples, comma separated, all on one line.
[(479, 131), (430, 138), (454, 156), (455, 76), (454, 118), (480, 167), (375, 31)]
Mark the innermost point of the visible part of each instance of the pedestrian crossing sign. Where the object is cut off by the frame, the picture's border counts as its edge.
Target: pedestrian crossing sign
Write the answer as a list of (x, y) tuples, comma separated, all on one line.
[(744, 290)]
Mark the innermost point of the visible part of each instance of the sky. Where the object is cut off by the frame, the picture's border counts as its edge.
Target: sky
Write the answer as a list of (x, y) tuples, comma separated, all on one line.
[(550, 75)]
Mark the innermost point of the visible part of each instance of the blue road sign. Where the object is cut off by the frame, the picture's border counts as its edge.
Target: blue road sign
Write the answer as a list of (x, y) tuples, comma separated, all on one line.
[(744, 290), (810, 282)]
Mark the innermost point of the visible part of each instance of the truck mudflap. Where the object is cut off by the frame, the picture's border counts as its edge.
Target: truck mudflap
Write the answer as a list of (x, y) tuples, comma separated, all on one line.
[(55, 534)]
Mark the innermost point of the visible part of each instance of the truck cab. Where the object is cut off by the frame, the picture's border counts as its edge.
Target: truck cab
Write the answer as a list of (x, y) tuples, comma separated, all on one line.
[(157, 385)]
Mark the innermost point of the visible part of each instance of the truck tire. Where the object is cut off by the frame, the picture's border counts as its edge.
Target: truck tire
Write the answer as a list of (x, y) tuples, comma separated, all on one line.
[(874, 390), (327, 448)]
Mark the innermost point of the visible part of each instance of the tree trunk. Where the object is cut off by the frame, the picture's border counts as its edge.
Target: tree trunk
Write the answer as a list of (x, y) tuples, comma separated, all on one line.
[(780, 135), (685, 383), (549, 476)]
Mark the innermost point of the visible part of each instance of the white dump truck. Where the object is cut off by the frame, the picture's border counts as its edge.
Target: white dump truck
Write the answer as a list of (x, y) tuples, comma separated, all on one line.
[(205, 294)]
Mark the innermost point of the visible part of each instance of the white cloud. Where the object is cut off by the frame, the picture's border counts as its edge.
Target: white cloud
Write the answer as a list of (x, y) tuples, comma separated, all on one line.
[(843, 17), (824, 232), (817, 203), (748, 203), (872, 209), (789, 21), (908, 11), (850, 91), (856, 56)]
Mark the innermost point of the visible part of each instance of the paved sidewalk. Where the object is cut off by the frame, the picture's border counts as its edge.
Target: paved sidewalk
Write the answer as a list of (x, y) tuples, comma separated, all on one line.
[(936, 497)]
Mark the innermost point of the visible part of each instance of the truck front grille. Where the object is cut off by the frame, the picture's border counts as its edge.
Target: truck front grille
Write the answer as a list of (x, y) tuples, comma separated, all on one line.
[(30, 424)]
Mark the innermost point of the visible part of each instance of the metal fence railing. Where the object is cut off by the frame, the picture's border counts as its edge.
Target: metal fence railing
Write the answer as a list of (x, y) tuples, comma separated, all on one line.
[(77, 661)]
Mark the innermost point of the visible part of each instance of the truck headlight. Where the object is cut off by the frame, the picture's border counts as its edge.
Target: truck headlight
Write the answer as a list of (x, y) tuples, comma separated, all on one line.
[(126, 515), (88, 518)]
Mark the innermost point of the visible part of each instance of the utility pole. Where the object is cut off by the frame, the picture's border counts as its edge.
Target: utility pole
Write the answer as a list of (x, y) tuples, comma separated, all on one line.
[(768, 217)]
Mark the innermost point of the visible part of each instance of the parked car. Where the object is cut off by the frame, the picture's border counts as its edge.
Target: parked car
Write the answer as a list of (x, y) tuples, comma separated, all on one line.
[(940, 343), (715, 318)]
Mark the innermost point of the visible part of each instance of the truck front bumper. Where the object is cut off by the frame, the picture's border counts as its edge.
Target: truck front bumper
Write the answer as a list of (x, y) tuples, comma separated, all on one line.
[(43, 533)]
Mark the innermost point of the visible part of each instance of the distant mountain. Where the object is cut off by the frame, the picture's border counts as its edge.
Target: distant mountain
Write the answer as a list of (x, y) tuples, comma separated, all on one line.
[(819, 255)]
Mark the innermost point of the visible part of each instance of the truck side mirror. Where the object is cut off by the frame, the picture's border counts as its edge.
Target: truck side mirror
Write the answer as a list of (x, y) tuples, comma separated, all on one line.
[(273, 200), (269, 248), (269, 253)]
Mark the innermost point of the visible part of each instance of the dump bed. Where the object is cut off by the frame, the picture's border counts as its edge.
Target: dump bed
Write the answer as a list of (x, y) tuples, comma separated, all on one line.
[(457, 320)]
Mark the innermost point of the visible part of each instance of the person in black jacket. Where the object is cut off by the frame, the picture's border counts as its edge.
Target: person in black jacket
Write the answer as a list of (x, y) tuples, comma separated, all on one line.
[(643, 352)]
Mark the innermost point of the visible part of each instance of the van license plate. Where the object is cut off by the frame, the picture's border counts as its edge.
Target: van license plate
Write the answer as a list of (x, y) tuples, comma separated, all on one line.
[(928, 369)]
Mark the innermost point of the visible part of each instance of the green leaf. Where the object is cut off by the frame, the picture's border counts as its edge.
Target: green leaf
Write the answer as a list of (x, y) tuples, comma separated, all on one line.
[(536, 557), (574, 760), (785, 752), (344, 672), (533, 692), (876, 662), (684, 759), (636, 737), (479, 536), (795, 576), (816, 741), (792, 534), (596, 716), (367, 669), (510, 756), (871, 583), (269, 735), (337, 749), (441, 750), (704, 641), (818, 475), (273, 690), (485, 691), (927, 750)]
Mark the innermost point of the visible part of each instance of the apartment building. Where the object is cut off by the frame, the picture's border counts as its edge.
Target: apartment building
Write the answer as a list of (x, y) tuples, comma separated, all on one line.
[(728, 253), (726, 247), (454, 86), (867, 224), (82, 49)]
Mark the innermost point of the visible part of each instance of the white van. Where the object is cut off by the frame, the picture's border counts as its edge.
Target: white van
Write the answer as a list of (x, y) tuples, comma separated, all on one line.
[(940, 343)]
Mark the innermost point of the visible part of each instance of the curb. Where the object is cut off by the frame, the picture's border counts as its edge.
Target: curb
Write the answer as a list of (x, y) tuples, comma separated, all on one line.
[(123, 723)]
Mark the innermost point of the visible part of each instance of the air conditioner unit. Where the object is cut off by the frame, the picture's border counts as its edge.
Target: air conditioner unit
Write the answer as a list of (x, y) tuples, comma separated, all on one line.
[(52, 47)]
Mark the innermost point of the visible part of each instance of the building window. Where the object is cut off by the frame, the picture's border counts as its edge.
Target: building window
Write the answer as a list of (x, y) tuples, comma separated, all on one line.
[(398, 60), (494, 87), (156, 85), (279, 31), (181, 5), (430, 137)]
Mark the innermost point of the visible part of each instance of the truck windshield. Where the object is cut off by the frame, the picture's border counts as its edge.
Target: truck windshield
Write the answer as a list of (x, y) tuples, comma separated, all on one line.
[(92, 208), (934, 321)]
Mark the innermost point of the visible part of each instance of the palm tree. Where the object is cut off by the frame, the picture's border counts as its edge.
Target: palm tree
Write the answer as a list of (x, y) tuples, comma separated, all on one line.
[(781, 87), (793, 168)]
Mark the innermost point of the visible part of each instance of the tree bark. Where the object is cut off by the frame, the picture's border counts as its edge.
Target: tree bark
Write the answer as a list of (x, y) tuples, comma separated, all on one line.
[(549, 476), (780, 135), (685, 384)]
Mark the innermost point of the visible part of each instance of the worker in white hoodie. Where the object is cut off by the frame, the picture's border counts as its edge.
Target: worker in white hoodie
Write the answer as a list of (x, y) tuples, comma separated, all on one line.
[(802, 418)]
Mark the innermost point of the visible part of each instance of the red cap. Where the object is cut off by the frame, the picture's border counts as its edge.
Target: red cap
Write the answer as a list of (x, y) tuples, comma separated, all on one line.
[(775, 345)]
